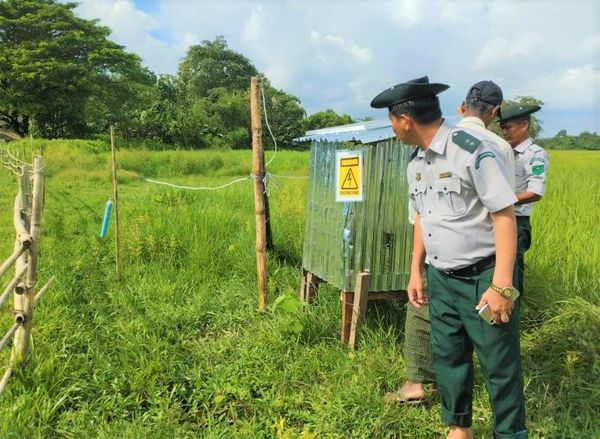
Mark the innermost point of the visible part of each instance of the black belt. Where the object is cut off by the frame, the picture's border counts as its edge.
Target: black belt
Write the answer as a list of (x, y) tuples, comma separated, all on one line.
[(475, 269)]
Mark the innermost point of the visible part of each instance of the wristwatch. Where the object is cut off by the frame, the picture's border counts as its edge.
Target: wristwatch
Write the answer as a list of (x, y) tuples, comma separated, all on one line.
[(507, 292)]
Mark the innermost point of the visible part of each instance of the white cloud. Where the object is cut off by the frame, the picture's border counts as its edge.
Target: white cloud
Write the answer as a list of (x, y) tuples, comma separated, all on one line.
[(407, 13), (571, 88), (361, 55), (502, 51), (253, 27)]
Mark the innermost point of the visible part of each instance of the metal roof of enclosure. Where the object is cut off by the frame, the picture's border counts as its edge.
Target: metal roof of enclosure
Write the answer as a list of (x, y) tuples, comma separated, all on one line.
[(363, 132)]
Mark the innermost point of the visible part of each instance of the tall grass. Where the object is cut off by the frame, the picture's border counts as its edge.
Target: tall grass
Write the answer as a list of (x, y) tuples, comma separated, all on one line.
[(178, 350)]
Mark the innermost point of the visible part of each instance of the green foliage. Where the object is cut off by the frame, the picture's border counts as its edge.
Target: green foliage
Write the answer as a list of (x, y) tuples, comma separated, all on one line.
[(61, 73), (562, 140), (211, 65), (325, 119), (285, 116), (177, 348)]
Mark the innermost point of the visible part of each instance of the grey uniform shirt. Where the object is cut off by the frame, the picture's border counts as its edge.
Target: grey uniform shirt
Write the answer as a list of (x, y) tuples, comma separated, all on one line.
[(531, 167), (453, 191), (475, 124)]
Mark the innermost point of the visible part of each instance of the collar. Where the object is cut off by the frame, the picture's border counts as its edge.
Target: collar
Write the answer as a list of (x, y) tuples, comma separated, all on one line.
[(438, 143), (521, 147), (471, 120)]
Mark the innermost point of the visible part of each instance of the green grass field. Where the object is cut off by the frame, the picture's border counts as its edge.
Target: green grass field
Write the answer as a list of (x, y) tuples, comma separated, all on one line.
[(178, 350)]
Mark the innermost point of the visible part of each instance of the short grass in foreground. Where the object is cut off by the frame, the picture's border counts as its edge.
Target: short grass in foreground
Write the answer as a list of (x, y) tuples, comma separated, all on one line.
[(178, 350)]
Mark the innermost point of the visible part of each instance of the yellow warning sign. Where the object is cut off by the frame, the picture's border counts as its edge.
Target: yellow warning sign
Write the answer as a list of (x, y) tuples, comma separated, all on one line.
[(349, 175)]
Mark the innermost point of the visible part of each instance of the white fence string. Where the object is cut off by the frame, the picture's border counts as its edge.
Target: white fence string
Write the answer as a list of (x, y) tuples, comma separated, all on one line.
[(262, 92), (194, 188)]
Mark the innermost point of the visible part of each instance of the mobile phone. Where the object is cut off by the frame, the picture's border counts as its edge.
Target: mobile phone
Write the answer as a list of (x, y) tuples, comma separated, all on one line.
[(486, 314)]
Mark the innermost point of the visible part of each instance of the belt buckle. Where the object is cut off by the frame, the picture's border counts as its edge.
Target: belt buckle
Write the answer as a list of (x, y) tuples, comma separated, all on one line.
[(450, 272)]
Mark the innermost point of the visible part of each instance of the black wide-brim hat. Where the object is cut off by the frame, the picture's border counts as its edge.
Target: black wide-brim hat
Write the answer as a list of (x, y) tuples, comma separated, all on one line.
[(517, 111), (411, 90)]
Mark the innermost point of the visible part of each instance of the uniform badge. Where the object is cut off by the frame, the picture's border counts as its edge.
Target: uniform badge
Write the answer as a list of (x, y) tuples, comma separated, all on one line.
[(418, 176), (537, 169), (445, 174)]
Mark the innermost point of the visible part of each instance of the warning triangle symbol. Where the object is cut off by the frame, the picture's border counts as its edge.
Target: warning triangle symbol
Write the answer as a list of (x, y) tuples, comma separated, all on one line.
[(349, 181)]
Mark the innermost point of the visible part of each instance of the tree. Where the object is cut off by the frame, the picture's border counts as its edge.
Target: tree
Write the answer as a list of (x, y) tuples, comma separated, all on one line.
[(211, 65), (217, 79), (325, 119), (285, 116), (61, 72)]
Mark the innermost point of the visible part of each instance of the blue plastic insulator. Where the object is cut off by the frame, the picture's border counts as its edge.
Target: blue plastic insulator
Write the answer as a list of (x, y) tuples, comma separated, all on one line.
[(107, 211)]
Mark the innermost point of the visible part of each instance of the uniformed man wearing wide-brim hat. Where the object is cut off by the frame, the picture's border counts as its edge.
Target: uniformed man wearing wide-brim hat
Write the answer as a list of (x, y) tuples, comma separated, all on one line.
[(465, 225), (531, 168)]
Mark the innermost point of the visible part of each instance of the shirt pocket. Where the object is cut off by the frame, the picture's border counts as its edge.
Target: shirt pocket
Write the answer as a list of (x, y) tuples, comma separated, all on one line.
[(449, 202), (417, 195)]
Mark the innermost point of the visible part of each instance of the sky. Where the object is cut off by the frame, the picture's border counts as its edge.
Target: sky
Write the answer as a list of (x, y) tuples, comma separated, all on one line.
[(339, 54)]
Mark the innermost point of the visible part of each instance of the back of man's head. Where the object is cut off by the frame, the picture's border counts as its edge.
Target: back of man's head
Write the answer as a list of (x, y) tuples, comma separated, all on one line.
[(424, 110), (482, 98)]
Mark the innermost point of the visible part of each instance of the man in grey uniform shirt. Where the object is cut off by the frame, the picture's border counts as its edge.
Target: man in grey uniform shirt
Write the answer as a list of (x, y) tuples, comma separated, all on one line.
[(531, 168), (465, 225)]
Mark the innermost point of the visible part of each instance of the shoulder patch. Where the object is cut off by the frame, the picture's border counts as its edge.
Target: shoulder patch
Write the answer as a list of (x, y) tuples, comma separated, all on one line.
[(466, 141), (537, 159), (483, 155)]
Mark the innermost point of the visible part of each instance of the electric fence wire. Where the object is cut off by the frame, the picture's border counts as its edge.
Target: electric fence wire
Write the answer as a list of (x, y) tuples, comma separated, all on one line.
[(267, 173)]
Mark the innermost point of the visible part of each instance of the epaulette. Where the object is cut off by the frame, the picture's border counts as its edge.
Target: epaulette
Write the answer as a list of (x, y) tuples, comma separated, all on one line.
[(466, 141)]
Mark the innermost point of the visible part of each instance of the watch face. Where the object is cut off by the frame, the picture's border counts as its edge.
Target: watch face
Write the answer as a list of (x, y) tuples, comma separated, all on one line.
[(507, 292)]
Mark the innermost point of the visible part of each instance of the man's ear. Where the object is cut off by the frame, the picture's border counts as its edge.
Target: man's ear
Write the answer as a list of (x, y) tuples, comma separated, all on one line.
[(495, 111)]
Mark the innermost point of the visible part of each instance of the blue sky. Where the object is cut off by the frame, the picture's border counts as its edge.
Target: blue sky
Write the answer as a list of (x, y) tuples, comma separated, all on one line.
[(338, 54)]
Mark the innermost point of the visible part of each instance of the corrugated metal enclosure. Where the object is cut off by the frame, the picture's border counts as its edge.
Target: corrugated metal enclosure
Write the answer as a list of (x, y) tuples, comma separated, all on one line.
[(344, 238)]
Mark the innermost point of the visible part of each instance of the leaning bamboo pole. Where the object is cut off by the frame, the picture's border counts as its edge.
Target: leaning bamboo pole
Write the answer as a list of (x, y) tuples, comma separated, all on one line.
[(11, 260), (24, 307), (11, 285), (5, 379)]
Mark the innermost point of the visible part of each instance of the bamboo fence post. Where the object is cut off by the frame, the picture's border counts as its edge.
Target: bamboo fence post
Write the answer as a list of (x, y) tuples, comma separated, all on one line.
[(116, 198), (22, 218), (24, 309), (258, 174)]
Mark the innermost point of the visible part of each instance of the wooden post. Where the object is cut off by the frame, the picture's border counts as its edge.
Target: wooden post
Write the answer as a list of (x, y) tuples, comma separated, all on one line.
[(24, 315), (359, 307), (347, 299), (116, 203), (309, 286), (258, 172)]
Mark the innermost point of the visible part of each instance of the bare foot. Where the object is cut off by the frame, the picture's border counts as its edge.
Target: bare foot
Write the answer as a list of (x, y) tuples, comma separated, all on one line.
[(457, 432), (412, 390)]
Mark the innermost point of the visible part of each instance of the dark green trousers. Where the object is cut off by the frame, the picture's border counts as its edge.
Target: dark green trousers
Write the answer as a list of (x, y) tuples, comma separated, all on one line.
[(457, 330), (523, 244)]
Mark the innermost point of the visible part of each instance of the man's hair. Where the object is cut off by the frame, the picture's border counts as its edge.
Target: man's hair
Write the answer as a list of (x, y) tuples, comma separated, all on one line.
[(475, 105), (423, 110)]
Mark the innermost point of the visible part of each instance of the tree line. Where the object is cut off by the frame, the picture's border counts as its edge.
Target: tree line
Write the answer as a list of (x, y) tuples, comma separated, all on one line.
[(61, 76)]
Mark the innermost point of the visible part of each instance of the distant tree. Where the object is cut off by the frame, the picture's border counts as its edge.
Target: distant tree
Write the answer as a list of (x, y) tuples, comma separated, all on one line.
[(217, 79), (325, 119), (211, 65), (60, 73), (285, 116), (536, 124)]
